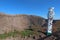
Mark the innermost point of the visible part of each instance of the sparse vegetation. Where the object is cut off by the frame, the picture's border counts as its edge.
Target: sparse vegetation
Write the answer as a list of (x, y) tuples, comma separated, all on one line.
[(13, 34), (26, 33)]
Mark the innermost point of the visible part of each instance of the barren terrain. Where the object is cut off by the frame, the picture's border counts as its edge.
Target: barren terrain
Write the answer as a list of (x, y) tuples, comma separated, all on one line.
[(37, 24)]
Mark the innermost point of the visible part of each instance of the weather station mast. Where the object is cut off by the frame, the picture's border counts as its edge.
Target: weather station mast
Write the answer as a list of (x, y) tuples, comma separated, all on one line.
[(50, 20)]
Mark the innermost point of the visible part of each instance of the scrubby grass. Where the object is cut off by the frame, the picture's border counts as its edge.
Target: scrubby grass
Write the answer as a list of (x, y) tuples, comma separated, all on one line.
[(26, 33), (13, 34)]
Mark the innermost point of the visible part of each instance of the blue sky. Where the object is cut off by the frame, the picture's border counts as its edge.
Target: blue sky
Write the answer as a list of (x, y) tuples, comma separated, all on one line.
[(30, 7)]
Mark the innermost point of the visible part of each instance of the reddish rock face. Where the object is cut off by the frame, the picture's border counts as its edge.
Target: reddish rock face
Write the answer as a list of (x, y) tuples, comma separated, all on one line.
[(18, 22), (11, 22)]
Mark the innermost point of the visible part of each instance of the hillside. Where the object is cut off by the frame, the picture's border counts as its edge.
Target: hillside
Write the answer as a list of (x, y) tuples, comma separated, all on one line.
[(36, 24)]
